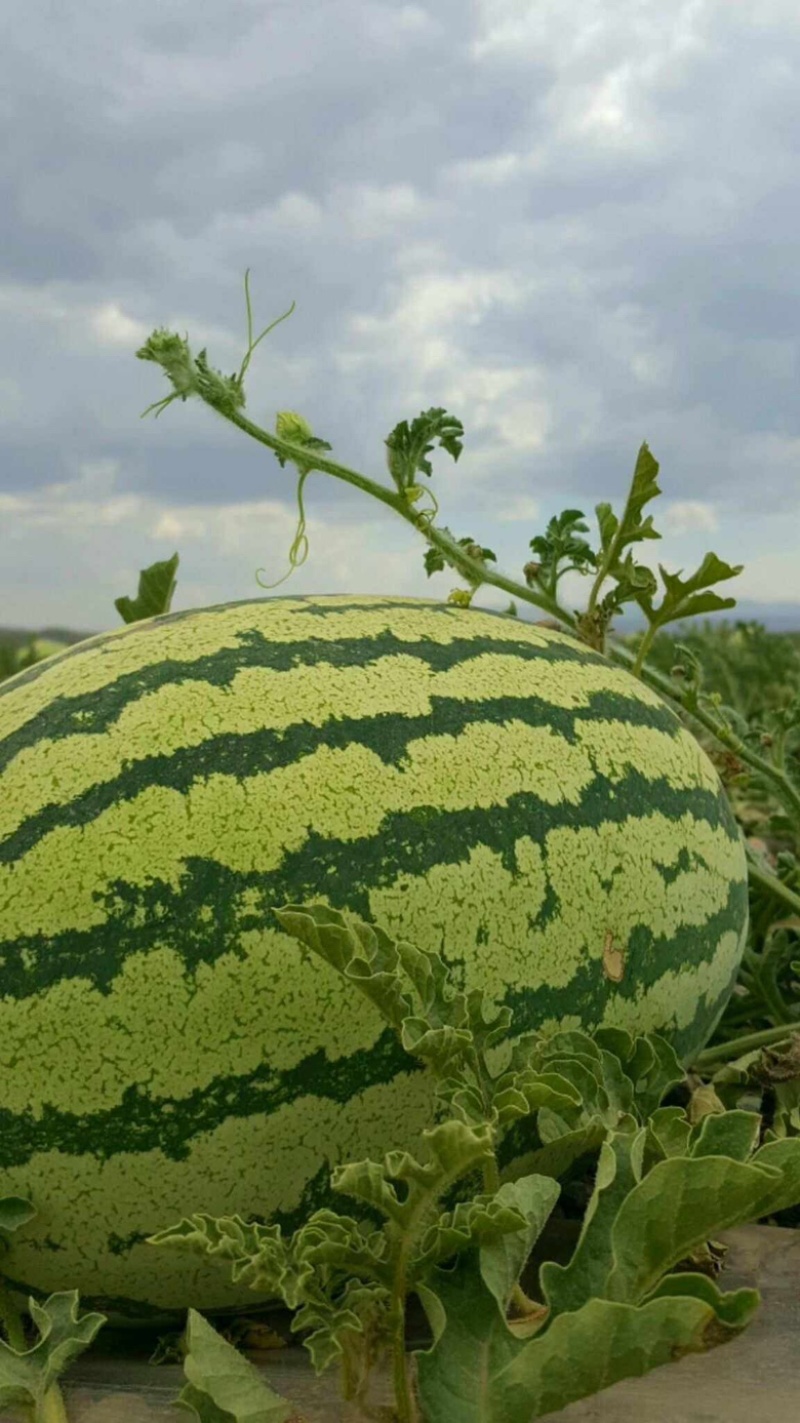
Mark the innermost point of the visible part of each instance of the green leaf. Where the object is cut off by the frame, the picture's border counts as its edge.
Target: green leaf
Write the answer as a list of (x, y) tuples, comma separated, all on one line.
[(258, 1254), (361, 952), (502, 1260), (448, 1029), (783, 1156), (680, 1204), (455, 1148), (669, 1131), (733, 1134), (223, 1386), (26, 1378), (434, 559), (156, 587), (478, 1372), (734, 1309), (556, 1157), (406, 447), (650, 1062), (683, 598), (559, 544), (15, 1212), (528, 1092), (615, 534), (328, 1238), (353, 1328), (505, 1225), (567, 1287)]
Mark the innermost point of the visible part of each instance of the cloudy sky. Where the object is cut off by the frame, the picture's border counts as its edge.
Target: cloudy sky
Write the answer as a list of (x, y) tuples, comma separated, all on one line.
[(572, 224)]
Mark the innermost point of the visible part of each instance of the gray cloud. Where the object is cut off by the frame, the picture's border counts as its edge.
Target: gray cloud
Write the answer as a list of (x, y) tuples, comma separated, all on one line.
[(573, 226)]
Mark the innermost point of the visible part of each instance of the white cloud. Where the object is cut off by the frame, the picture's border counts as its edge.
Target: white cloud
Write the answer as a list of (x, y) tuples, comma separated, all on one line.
[(682, 515), (518, 509), (389, 25)]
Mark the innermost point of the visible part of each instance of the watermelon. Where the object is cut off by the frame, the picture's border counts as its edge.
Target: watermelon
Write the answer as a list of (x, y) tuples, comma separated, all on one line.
[(484, 787)]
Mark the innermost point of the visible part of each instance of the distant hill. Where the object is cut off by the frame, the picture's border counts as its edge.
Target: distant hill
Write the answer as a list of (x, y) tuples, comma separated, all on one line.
[(775, 617), (20, 637)]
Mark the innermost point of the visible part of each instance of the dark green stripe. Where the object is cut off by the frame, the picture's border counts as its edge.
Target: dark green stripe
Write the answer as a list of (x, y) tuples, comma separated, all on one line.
[(647, 959), (155, 915), (388, 737), (319, 608), (169, 1124), (145, 1123), (93, 713), (316, 1195)]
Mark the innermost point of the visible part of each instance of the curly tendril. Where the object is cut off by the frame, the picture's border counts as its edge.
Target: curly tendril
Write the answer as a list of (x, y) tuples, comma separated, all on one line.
[(299, 538)]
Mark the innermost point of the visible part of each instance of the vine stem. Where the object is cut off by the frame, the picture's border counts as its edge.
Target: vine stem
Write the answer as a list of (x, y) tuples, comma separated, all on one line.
[(477, 572), (52, 1408), (772, 884), (723, 1052), (787, 792)]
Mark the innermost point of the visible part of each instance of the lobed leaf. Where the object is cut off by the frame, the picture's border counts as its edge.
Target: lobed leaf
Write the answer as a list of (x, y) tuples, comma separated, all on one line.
[(619, 1170), (25, 1378), (478, 1372)]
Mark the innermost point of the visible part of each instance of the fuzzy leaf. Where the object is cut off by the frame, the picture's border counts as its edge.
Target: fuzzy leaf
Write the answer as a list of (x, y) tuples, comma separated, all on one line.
[(783, 1156), (359, 951), (644, 487), (683, 598), (350, 1328), (478, 1372), (26, 1378), (734, 1309), (669, 1131), (342, 1246), (506, 1226), (556, 1157), (223, 1386), (619, 1169), (503, 1260), (455, 1148), (259, 1256), (530, 1091), (560, 542), (649, 1061), (733, 1134), (685, 1201)]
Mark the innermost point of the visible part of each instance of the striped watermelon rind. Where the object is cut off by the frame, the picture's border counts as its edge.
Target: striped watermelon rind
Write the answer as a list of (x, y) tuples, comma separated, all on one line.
[(482, 787)]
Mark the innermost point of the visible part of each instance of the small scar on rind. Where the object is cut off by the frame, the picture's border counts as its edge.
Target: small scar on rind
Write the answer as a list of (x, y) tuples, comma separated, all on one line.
[(613, 959)]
